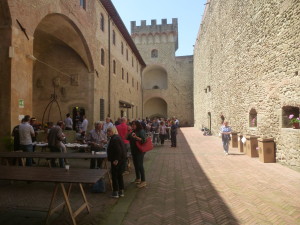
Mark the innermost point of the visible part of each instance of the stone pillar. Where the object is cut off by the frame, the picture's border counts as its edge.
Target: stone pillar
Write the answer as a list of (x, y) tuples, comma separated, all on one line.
[(240, 143), (234, 140), (266, 150), (251, 145)]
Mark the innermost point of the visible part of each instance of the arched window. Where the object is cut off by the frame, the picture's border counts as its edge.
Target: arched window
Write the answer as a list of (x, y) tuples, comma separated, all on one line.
[(252, 118), (155, 87), (127, 77), (154, 53), (102, 57), (127, 54), (122, 48), (102, 22), (122, 74), (114, 66), (114, 37)]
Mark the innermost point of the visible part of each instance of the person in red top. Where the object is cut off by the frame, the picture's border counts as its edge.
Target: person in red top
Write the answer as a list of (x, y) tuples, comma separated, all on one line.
[(123, 130)]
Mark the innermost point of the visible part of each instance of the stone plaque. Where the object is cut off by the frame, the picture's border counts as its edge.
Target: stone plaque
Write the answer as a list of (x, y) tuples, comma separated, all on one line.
[(74, 80)]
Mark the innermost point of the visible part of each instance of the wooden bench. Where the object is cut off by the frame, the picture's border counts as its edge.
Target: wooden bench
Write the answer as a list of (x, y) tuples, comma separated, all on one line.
[(60, 177)]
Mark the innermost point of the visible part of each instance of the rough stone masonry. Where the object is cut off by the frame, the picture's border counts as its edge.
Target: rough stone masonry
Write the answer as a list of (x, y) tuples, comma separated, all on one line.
[(246, 68)]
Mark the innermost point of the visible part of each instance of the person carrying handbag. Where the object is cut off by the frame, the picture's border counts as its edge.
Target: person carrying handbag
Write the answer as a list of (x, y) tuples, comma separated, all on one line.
[(138, 134)]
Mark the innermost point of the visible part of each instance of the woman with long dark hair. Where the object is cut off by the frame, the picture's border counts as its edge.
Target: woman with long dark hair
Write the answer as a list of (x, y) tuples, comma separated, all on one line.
[(138, 134)]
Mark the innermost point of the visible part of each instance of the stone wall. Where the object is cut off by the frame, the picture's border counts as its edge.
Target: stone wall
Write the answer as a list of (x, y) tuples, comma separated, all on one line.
[(248, 54), (66, 40)]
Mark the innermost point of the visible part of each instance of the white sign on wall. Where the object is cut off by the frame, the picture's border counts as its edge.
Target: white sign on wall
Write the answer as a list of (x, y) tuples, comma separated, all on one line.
[(21, 103)]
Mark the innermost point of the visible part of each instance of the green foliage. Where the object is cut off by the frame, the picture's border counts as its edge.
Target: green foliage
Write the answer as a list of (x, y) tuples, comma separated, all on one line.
[(7, 142)]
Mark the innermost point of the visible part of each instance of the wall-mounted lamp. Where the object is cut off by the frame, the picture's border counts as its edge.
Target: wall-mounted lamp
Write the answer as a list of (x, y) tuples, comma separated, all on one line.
[(31, 57), (11, 52)]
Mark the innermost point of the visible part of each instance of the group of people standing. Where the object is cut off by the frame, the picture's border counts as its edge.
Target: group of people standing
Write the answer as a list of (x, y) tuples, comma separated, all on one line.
[(117, 139), (122, 138)]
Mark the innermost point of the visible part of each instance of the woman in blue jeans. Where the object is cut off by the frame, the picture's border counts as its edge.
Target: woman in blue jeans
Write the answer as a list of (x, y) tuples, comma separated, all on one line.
[(138, 134), (226, 131)]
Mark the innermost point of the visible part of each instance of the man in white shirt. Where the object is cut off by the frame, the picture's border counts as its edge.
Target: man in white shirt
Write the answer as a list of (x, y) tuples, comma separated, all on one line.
[(84, 124), (26, 133), (107, 124)]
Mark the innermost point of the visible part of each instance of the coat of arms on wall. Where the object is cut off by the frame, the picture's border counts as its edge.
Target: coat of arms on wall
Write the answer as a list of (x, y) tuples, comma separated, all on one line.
[(56, 82), (39, 83), (74, 80)]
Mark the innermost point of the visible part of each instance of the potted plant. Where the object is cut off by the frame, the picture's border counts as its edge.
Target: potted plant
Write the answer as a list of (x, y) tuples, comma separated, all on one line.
[(295, 121)]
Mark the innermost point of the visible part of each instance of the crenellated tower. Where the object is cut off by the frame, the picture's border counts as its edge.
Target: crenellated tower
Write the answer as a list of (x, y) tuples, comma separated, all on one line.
[(155, 33), (166, 76)]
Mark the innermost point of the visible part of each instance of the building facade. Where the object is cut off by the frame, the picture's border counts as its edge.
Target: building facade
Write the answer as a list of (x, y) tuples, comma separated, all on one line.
[(59, 57), (167, 79), (247, 70)]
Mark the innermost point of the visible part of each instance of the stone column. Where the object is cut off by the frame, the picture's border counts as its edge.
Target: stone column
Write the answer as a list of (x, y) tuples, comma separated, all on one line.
[(240, 143), (266, 150), (251, 145), (234, 140)]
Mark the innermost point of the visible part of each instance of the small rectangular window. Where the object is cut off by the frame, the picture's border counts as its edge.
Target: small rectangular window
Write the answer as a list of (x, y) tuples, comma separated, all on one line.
[(102, 22), (102, 109), (127, 77), (102, 57), (114, 37), (114, 66), (289, 113), (83, 4)]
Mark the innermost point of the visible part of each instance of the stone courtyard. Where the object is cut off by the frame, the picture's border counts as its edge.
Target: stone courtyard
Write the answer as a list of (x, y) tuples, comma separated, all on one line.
[(192, 184)]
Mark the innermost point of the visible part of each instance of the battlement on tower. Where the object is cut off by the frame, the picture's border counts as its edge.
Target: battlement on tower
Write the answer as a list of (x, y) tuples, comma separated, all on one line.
[(154, 28)]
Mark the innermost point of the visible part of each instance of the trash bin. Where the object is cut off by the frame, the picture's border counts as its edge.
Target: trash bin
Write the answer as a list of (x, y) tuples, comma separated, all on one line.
[(251, 145), (240, 143), (266, 150), (234, 140)]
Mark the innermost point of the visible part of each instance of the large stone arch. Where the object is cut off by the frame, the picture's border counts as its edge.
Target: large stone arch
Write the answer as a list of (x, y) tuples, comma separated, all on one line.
[(63, 65), (155, 77), (5, 68), (156, 107)]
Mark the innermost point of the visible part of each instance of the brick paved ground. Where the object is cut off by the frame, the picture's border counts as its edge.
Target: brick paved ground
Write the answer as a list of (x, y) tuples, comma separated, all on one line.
[(192, 184), (197, 184)]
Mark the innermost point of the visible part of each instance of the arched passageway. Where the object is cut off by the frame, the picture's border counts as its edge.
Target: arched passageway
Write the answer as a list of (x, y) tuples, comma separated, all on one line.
[(61, 69), (156, 107), (155, 77)]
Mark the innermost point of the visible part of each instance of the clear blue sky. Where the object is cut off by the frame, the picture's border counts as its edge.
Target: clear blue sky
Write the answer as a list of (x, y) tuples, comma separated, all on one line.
[(188, 12)]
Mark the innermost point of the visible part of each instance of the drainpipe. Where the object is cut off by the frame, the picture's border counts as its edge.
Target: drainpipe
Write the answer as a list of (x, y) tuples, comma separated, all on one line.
[(109, 69), (142, 84)]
